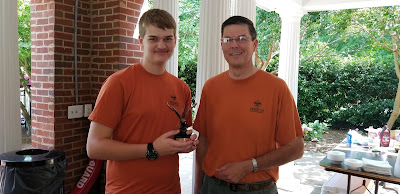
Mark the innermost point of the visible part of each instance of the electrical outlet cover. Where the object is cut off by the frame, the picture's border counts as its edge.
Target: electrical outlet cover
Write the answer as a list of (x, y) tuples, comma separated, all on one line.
[(88, 110), (75, 111)]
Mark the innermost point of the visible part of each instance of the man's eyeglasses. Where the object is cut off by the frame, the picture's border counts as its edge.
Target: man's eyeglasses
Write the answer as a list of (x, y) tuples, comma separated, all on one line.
[(239, 40)]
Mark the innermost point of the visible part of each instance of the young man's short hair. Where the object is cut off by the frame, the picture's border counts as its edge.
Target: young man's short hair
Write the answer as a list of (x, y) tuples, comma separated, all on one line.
[(158, 18), (240, 20)]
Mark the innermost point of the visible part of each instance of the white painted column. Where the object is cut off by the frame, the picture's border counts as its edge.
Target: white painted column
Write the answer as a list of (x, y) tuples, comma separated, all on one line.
[(211, 60), (172, 7), (246, 8), (10, 116), (289, 49), (289, 70)]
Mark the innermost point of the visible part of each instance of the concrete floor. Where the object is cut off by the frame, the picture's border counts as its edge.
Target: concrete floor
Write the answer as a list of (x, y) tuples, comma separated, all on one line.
[(185, 172)]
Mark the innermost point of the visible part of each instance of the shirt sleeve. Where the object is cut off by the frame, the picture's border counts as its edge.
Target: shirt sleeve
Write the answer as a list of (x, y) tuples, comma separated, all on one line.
[(109, 104), (288, 122)]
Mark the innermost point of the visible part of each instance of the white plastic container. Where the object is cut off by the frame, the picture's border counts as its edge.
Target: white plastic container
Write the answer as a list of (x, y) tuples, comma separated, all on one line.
[(337, 184), (396, 171), (353, 164), (336, 157)]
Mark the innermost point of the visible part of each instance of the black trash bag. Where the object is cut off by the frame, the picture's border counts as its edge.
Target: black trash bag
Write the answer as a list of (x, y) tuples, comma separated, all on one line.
[(35, 171)]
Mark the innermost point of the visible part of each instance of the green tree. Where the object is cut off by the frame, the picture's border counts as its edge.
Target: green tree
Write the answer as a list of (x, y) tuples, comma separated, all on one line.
[(189, 25), (360, 40), (383, 26), (268, 27), (24, 45)]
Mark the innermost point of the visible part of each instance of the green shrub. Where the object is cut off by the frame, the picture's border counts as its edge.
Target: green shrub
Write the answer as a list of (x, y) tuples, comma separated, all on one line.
[(314, 131), (374, 114), (345, 93), (318, 92), (188, 74)]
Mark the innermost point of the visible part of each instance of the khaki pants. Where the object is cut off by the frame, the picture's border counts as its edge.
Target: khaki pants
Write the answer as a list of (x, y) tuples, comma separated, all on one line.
[(211, 186)]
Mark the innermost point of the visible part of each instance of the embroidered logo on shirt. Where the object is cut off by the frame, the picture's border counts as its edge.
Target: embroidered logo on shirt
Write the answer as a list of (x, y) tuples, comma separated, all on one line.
[(173, 101), (257, 107)]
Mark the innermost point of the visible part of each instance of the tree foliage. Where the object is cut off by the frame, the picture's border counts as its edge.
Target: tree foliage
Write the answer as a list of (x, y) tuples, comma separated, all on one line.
[(189, 24), (384, 29), (355, 43), (24, 45), (24, 38), (268, 27)]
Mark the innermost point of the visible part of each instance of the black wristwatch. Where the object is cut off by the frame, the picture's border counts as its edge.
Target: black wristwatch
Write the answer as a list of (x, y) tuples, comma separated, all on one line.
[(151, 153)]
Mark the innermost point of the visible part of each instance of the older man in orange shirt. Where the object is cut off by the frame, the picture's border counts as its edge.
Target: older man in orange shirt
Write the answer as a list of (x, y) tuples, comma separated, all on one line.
[(247, 119)]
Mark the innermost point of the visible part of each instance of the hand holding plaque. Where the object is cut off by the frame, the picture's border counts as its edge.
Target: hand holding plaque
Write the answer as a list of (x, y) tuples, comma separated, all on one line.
[(182, 136)]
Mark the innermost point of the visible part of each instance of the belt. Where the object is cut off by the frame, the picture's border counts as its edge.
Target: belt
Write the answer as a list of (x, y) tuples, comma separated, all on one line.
[(244, 186)]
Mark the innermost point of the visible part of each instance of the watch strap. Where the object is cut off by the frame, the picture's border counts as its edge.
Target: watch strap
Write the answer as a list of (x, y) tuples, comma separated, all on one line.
[(151, 153), (150, 146)]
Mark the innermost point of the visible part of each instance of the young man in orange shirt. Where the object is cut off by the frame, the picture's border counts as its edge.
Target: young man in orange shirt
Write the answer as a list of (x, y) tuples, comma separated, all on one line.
[(132, 125), (247, 119)]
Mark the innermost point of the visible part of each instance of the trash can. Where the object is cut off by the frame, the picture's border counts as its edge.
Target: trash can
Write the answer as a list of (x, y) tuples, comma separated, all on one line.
[(32, 171)]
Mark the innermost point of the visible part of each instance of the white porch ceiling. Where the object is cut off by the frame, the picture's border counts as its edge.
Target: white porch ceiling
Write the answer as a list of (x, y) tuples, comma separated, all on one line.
[(322, 5)]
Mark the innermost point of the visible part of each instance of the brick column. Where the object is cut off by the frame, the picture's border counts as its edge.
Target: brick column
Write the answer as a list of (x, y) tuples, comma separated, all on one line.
[(113, 44), (42, 37), (104, 45)]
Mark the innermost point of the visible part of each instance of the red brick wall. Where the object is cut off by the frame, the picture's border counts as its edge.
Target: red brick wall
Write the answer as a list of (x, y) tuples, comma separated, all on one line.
[(113, 25), (42, 24), (105, 45)]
